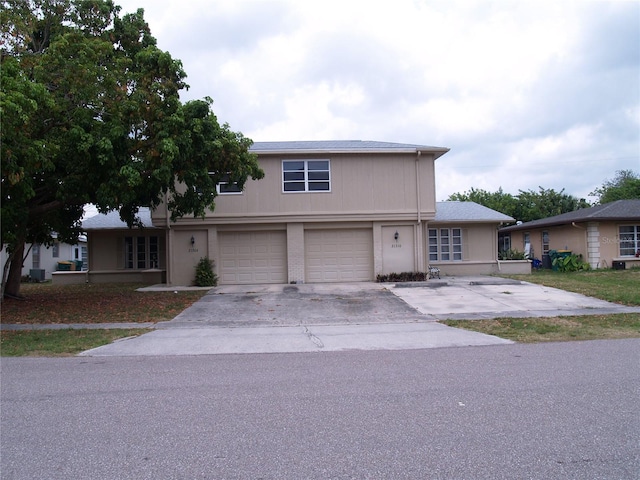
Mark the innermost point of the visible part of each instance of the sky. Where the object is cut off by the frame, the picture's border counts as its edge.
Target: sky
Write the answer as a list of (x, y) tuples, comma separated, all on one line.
[(526, 94)]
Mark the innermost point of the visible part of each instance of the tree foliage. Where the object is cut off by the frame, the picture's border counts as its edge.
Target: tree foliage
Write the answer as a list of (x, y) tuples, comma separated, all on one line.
[(527, 205), (625, 186), (91, 113)]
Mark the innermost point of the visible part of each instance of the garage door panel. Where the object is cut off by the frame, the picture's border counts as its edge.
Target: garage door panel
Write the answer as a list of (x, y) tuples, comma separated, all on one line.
[(339, 255), (253, 257)]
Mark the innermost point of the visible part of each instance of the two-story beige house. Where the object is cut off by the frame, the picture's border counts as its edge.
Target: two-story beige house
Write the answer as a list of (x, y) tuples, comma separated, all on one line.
[(325, 211)]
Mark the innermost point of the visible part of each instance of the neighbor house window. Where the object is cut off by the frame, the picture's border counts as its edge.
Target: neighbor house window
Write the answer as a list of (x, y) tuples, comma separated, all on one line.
[(306, 176), (526, 238), (445, 244), (55, 250), (35, 255), (226, 187), (141, 252), (629, 240), (80, 253), (545, 242)]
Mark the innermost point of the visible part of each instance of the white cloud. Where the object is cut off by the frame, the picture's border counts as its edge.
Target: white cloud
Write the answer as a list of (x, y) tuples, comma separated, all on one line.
[(525, 93)]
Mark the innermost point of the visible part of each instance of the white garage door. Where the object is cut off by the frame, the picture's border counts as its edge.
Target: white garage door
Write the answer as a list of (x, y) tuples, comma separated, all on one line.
[(339, 255), (252, 257)]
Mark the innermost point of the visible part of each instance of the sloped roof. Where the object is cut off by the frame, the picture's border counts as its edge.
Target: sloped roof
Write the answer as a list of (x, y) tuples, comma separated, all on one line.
[(342, 146), (468, 212), (618, 210), (112, 221)]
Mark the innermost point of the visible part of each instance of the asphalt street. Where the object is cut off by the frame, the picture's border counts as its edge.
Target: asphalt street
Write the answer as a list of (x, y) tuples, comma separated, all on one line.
[(546, 411)]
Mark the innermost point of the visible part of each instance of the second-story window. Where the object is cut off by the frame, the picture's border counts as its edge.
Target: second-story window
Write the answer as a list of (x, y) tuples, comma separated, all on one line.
[(306, 176), (226, 187)]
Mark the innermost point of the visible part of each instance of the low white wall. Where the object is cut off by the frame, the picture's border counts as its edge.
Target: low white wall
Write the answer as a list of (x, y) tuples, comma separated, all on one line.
[(514, 267), (506, 267)]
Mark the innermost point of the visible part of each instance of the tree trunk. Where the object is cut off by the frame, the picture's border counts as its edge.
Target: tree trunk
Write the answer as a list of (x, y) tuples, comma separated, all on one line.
[(12, 286)]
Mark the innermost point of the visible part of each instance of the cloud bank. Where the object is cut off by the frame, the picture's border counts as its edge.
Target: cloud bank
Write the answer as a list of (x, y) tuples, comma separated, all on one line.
[(525, 94)]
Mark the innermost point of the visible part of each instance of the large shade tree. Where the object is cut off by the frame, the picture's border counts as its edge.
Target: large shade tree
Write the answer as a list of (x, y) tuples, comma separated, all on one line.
[(625, 186), (527, 205), (91, 113)]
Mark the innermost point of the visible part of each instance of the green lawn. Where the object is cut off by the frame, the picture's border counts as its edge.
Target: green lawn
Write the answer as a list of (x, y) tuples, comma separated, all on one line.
[(50, 343), (45, 303), (617, 286)]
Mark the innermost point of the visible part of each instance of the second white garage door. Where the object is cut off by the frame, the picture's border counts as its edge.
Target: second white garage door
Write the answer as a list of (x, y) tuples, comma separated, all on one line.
[(252, 257), (339, 255)]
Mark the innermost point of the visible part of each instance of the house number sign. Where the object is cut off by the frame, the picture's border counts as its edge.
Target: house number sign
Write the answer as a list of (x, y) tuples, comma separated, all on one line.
[(193, 250), (396, 245)]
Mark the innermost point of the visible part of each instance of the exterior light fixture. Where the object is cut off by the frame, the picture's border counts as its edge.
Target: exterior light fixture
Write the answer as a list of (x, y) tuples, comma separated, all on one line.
[(396, 236), (193, 240)]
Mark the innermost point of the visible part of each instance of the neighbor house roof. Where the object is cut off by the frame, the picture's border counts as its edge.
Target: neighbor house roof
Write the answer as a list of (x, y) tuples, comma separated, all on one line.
[(342, 146), (468, 212), (620, 210), (112, 220)]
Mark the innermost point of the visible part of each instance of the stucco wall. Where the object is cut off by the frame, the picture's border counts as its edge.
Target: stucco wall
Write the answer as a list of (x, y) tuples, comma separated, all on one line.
[(381, 186), (106, 247), (597, 242), (479, 241)]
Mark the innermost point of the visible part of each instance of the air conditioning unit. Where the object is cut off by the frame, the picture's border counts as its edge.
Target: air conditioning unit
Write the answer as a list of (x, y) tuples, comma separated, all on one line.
[(36, 274)]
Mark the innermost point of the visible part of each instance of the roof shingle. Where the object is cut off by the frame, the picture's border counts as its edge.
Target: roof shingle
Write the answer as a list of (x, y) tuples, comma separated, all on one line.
[(342, 146), (618, 210), (468, 212), (112, 220)]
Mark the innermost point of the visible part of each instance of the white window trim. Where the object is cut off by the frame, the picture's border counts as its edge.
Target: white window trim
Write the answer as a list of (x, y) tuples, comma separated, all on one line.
[(306, 175), (452, 253), (218, 190), (635, 240)]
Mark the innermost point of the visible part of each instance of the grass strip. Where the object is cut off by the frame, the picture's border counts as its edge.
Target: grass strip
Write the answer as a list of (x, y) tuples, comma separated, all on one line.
[(45, 303), (556, 329), (59, 343), (617, 286)]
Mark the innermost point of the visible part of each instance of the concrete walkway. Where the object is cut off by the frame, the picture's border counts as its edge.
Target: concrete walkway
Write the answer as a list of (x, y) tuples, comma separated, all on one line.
[(354, 316), (318, 338)]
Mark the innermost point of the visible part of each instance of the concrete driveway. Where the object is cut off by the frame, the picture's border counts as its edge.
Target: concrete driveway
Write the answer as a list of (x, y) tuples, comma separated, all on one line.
[(353, 316)]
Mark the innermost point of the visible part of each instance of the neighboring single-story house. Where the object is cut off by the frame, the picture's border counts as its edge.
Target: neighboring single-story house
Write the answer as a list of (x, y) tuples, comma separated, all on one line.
[(326, 211), (118, 253), (42, 261), (605, 235)]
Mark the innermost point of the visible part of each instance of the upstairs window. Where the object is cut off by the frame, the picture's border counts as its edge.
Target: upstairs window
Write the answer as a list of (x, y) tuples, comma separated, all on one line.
[(225, 187), (306, 176)]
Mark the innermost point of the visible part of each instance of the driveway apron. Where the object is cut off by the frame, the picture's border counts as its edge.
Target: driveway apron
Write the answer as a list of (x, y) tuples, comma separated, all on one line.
[(352, 316)]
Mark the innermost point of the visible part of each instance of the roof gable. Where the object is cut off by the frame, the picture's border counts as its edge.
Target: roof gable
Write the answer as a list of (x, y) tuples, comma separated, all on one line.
[(456, 211)]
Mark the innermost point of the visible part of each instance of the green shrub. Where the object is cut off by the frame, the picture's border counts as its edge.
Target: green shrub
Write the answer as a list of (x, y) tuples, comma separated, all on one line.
[(511, 254), (204, 273), (570, 263), (402, 277)]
